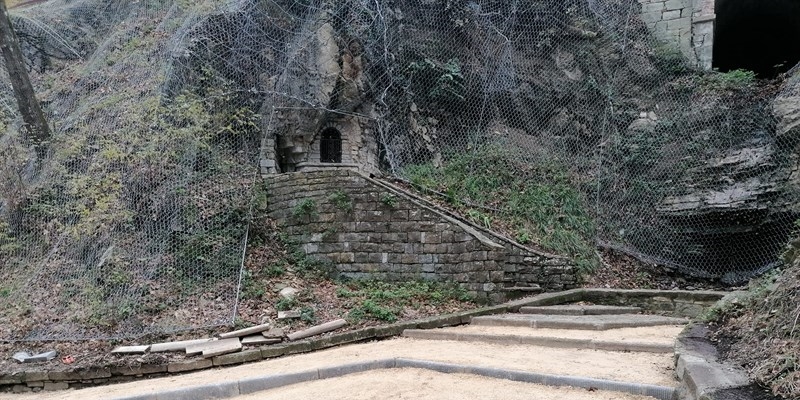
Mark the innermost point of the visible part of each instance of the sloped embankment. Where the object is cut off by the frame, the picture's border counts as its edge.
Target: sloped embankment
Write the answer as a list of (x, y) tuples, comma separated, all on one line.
[(761, 331)]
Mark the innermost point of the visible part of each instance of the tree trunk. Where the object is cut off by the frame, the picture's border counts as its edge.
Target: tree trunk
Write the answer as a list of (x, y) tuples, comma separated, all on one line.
[(36, 128)]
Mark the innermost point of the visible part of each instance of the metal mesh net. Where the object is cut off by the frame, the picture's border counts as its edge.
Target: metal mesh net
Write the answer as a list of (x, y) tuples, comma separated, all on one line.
[(564, 124)]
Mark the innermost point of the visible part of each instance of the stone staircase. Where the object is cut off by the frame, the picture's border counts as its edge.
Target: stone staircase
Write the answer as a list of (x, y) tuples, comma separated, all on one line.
[(609, 329), (594, 327)]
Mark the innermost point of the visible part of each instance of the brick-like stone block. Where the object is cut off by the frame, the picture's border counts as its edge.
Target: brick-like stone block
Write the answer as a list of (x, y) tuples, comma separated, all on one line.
[(10, 379), (680, 23), (189, 365), (237, 358), (20, 389), (36, 376), (677, 4), (53, 386), (63, 376), (145, 369), (670, 15)]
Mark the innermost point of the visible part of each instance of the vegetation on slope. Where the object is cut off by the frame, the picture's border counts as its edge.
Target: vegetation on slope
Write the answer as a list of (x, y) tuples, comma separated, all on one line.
[(274, 262), (760, 331), (534, 201)]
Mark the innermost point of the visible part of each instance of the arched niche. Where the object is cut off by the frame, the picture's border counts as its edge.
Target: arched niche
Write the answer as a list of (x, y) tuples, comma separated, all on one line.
[(330, 149)]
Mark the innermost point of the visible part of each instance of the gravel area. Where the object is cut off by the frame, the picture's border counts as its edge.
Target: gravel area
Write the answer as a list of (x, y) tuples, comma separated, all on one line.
[(422, 384)]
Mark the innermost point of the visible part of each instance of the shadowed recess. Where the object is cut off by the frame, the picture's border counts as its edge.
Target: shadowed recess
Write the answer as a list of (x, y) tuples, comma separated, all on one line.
[(762, 36)]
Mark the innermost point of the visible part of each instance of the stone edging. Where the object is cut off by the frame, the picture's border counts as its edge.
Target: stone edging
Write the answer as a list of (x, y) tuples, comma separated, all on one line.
[(82, 377), (698, 369), (555, 342), (253, 385)]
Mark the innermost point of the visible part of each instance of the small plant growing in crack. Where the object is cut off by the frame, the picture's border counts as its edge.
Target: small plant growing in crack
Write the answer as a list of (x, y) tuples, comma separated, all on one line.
[(341, 200), (306, 208), (389, 200)]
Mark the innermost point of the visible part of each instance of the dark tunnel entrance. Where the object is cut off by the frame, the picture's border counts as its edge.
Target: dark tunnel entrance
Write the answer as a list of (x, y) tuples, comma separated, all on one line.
[(762, 36)]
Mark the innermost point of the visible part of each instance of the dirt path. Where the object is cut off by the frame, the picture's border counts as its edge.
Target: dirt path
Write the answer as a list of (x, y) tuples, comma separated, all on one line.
[(644, 368), (421, 384)]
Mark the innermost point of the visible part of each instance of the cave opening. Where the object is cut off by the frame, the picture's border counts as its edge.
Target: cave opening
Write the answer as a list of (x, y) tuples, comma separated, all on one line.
[(762, 36)]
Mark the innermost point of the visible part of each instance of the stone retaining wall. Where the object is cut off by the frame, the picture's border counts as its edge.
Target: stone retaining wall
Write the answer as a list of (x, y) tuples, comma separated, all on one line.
[(678, 303), (371, 230)]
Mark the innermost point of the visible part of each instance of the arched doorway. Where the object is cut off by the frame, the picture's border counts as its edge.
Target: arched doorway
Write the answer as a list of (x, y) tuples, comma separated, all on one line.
[(762, 36), (330, 146)]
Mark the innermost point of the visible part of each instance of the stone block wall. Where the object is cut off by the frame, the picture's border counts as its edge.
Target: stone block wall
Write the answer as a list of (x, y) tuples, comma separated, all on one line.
[(371, 231), (686, 24)]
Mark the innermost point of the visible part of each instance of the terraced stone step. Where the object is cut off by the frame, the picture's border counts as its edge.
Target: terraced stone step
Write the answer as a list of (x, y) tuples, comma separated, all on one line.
[(543, 341), (586, 322), (575, 309)]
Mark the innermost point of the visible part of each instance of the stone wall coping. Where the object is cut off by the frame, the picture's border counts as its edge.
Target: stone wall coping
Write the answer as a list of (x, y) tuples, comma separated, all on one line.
[(103, 374)]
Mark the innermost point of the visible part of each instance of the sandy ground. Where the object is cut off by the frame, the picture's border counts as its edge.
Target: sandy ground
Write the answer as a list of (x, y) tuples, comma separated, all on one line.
[(654, 334), (422, 384), (629, 367)]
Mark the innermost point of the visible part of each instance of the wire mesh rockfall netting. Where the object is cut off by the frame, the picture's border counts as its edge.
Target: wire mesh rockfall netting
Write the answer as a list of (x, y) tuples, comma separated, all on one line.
[(135, 220), (562, 123), (567, 124)]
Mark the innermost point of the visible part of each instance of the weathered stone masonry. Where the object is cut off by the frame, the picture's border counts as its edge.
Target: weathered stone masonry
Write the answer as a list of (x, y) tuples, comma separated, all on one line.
[(369, 229), (686, 24)]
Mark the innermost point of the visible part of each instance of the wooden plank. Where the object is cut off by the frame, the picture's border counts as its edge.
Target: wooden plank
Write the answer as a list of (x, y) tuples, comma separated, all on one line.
[(175, 346), (131, 349), (245, 332), (259, 339), (223, 346), (316, 330)]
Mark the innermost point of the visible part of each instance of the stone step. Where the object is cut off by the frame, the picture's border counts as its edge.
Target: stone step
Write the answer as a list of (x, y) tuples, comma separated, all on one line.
[(585, 322), (575, 309), (543, 341)]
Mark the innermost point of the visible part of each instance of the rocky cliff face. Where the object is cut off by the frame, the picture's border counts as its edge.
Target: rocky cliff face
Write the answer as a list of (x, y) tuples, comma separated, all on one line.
[(694, 170)]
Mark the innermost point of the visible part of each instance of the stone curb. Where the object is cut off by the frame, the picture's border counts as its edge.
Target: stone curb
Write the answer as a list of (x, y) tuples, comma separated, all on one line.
[(699, 371), (253, 385), (659, 392), (556, 342)]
